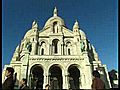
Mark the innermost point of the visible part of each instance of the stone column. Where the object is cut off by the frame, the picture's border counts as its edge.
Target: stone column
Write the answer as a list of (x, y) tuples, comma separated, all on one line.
[(24, 67), (108, 84), (44, 83), (33, 52), (39, 50), (83, 81), (64, 86), (45, 79), (49, 78), (29, 80), (87, 71), (65, 49), (80, 83), (53, 49), (61, 49), (65, 81), (50, 48), (62, 46), (88, 76)]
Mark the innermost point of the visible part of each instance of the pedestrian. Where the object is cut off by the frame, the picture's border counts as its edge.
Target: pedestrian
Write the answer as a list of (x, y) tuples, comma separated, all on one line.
[(72, 85), (8, 83), (54, 83), (23, 85), (97, 83)]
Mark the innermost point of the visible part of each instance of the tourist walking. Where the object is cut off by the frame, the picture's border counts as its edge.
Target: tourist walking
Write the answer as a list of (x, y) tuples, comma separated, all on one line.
[(23, 85), (97, 83), (8, 83)]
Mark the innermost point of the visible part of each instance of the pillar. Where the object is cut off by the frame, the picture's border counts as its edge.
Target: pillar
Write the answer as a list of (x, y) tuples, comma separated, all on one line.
[(45, 79), (82, 80), (25, 63), (61, 49), (65, 49), (108, 84), (33, 52), (65, 81), (50, 49)]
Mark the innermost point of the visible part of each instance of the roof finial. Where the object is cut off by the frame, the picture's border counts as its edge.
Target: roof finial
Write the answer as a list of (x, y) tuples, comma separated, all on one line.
[(76, 22), (34, 24), (55, 11), (76, 25)]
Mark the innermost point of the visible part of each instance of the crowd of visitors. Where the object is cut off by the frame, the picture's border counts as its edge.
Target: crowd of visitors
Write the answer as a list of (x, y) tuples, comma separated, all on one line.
[(9, 81)]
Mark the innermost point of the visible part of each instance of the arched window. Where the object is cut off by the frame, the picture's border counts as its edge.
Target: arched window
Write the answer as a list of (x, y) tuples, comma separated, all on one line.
[(68, 51), (42, 51), (68, 48), (55, 27), (30, 47), (43, 48), (55, 45)]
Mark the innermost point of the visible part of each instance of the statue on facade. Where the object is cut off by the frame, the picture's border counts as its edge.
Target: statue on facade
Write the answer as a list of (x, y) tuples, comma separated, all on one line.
[(71, 81), (82, 45), (54, 83), (29, 46)]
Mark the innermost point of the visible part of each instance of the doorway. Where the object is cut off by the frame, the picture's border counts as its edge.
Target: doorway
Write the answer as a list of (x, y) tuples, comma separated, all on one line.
[(55, 77)]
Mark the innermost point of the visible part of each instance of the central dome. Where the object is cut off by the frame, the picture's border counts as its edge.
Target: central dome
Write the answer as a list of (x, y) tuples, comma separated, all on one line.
[(53, 19)]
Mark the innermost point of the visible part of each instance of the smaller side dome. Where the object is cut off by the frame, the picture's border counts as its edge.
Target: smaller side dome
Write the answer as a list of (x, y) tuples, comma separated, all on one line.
[(76, 27), (33, 30), (83, 36), (28, 33)]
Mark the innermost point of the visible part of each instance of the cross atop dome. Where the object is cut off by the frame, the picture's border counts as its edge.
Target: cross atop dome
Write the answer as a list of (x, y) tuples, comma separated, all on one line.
[(55, 12)]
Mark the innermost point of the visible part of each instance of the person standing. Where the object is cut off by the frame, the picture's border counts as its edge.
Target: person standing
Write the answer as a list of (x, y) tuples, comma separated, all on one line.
[(8, 83), (23, 85), (97, 83)]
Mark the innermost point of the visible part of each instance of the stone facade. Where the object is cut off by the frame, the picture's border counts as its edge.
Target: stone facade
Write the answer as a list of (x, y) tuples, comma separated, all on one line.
[(59, 54)]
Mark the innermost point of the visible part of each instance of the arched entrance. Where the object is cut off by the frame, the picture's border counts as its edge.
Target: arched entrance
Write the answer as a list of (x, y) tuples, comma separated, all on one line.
[(55, 77), (74, 75), (36, 77)]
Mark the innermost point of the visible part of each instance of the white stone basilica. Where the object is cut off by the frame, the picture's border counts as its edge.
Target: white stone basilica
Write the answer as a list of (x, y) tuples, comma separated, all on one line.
[(57, 56)]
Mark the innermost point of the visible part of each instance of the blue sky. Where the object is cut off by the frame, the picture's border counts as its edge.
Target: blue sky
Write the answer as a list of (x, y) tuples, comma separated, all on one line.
[(97, 18)]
